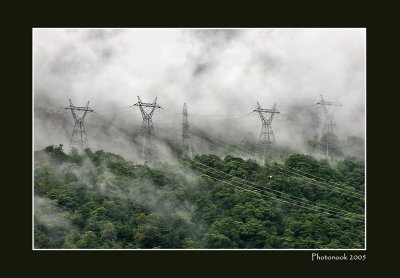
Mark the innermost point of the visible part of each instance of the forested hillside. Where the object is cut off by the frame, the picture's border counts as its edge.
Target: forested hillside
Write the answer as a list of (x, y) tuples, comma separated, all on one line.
[(100, 200)]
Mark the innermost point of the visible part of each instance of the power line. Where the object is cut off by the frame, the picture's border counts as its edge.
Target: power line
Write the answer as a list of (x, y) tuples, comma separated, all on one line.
[(336, 189), (342, 189), (223, 149), (276, 191), (205, 115), (227, 119), (316, 184), (218, 115), (352, 218), (110, 115), (112, 109), (232, 148)]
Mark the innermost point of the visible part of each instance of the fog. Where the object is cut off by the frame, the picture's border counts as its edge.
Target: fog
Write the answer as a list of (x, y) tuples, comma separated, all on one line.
[(220, 74)]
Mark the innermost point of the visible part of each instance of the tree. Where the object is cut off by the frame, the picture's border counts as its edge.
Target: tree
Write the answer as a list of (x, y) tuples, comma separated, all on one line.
[(109, 202), (108, 232), (88, 240), (139, 238), (42, 241), (56, 153), (45, 186), (217, 241)]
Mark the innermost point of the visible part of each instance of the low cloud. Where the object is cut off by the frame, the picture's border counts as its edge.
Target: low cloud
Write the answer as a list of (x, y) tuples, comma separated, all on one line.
[(216, 72)]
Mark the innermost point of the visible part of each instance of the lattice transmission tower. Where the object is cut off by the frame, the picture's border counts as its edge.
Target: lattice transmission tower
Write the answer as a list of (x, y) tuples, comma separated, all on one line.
[(186, 145), (79, 138), (267, 139), (329, 138), (147, 130)]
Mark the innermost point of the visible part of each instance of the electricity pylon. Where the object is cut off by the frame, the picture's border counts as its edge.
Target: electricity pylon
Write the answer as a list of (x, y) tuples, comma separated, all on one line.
[(328, 137), (186, 145), (147, 130), (267, 138), (79, 137)]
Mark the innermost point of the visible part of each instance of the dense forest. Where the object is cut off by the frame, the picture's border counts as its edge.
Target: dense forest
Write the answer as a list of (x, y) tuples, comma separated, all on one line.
[(100, 200)]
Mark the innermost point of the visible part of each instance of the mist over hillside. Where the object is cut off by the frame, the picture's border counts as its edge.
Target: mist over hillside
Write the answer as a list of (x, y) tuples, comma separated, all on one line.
[(307, 191), (99, 200), (220, 74)]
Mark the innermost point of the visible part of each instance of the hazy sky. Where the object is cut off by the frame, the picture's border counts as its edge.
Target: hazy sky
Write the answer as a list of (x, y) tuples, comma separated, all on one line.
[(216, 72)]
